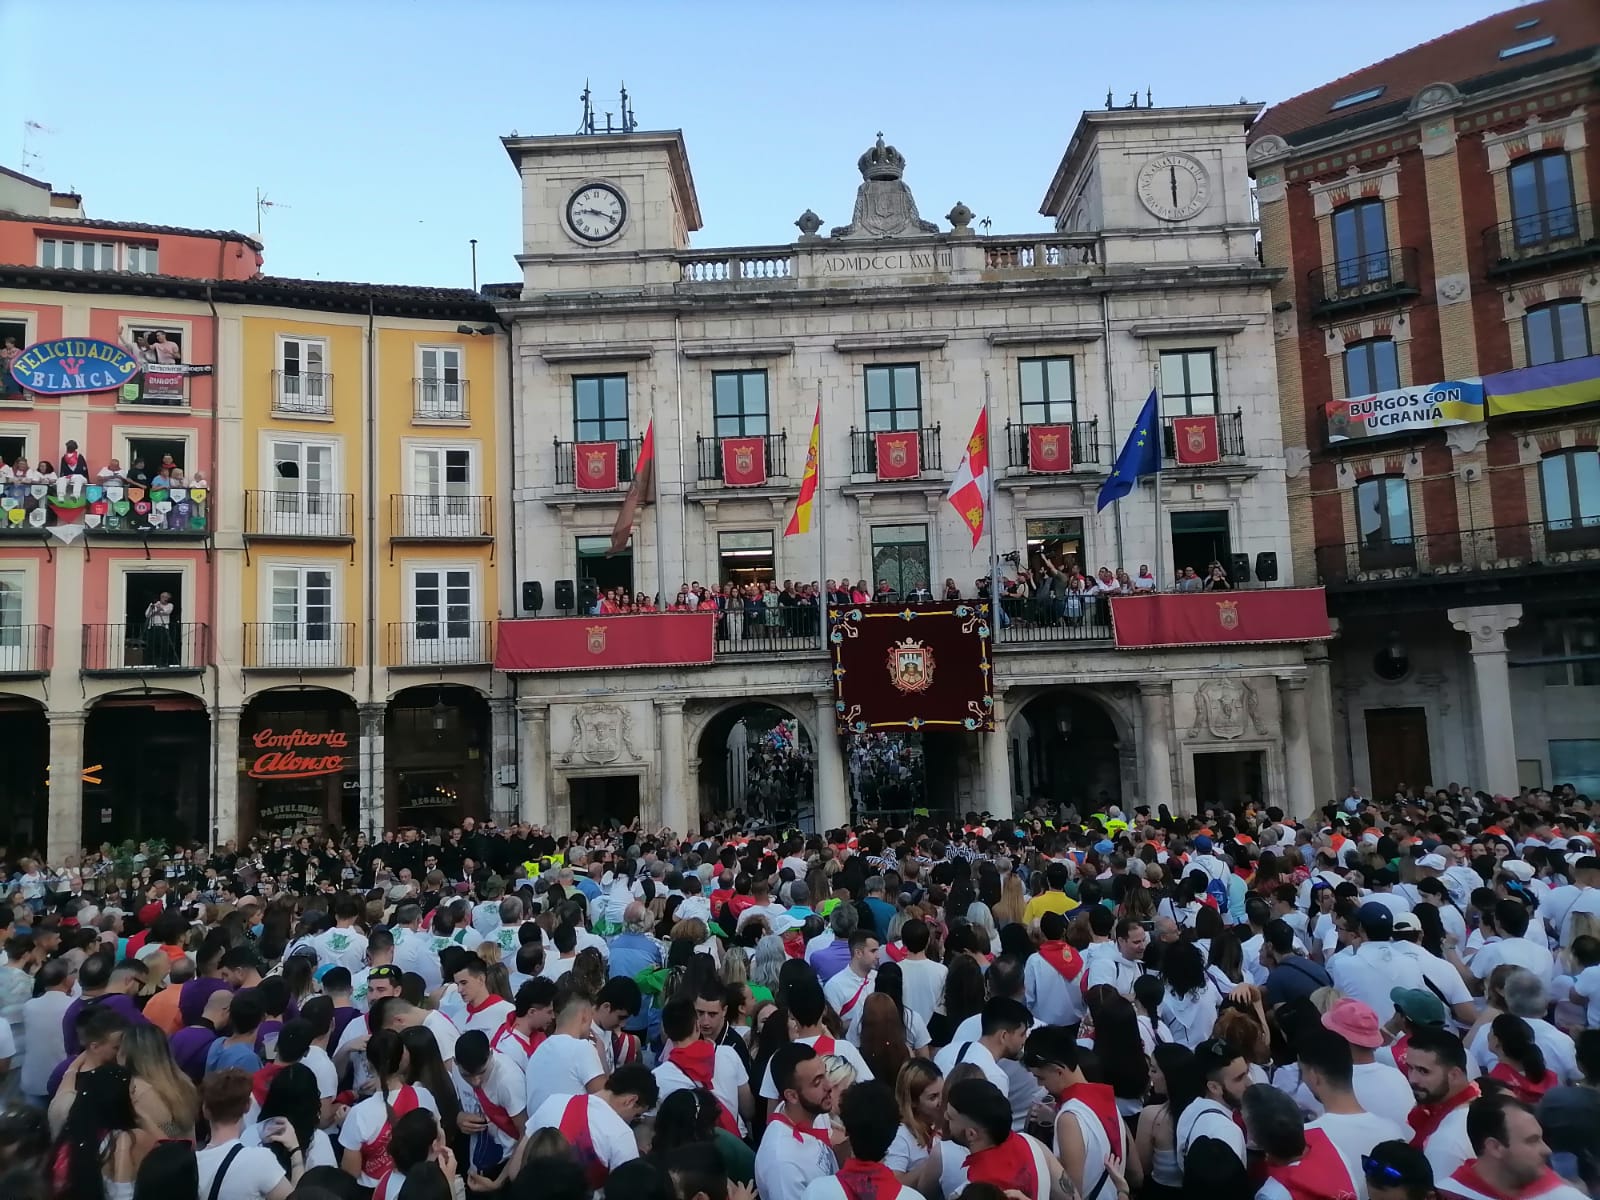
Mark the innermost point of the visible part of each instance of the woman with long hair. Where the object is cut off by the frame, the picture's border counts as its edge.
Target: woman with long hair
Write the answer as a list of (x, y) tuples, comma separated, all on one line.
[(1241, 1027), (963, 997), (163, 1096), (101, 1145), (1120, 1049), (690, 1116), (1174, 1085), (881, 1036), (771, 1035), (1190, 1006), (1521, 1067), (1013, 900), (293, 1097), (913, 1029), (370, 1122), (914, 1154), (425, 1067), (1225, 963), (297, 973)]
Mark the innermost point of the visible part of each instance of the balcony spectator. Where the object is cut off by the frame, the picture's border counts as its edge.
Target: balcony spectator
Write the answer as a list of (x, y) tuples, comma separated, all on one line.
[(74, 474), (951, 591), (1188, 581), (162, 351), (1144, 581), (37, 474), (158, 630), (137, 474), (859, 594), (111, 474), (1124, 584), (885, 594), (772, 604), (1217, 579), (9, 353), (919, 594)]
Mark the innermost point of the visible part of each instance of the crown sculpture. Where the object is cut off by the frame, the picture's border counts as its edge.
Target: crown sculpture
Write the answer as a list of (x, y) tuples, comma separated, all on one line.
[(884, 204), (881, 162)]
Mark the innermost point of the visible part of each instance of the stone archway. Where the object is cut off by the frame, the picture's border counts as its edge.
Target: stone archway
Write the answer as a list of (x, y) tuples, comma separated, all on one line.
[(1074, 746), (757, 757)]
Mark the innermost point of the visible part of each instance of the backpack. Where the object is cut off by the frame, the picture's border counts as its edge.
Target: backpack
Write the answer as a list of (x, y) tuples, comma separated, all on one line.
[(1217, 894)]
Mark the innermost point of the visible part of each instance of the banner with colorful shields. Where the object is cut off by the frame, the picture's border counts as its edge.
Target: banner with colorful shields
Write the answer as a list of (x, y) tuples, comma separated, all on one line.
[(1050, 448), (899, 455), (744, 461), (93, 493), (595, 466), (1194, 441)]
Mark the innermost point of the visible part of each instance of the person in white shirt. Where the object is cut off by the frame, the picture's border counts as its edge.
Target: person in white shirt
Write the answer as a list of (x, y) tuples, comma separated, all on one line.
[(493, 1098), (795, 1149), (1528, 998), (1327, 1069), (1005, 1026), (565, 941), (847, 990), (343, 945), (1436, 1066), (42, 1034), (867, 1112), (364, 1136), (1053, 978), (1088, 1127), (924, 978), (247, 1172), (485, 1011), (689, 1061), (1442, 978), (1372, 967), (605, 1117), (1511, 921), (413, 950), (1512, 1159), (565, 1063), (1121, 968), (806, 1009)]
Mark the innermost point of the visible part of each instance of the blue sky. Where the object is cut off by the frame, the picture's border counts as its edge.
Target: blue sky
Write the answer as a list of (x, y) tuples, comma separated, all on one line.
[(375, 124)]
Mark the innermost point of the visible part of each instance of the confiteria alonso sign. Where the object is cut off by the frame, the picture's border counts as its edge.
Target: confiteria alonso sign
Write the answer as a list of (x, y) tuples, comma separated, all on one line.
[(281, 760)]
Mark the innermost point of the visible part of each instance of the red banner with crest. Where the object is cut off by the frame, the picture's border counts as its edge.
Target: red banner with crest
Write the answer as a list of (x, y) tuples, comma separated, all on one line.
[(896, 667), (744, 461), (594, 466), (1194, 441), (1218, 618), (596, 643), (899, 454), (1050, 447)]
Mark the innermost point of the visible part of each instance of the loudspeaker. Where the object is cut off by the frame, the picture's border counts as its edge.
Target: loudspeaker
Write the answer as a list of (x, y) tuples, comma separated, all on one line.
[(532, 595), (588, 593), (1241, 568), (1267, 566), (566, 598)]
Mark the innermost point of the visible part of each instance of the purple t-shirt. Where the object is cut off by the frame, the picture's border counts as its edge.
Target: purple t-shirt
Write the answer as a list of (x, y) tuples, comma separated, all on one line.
[(190, 1045), (192, 1000), (116, 1001), (341, 1018)]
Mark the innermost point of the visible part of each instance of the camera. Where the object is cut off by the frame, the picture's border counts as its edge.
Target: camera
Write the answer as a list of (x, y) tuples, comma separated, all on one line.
[(1014, 557)]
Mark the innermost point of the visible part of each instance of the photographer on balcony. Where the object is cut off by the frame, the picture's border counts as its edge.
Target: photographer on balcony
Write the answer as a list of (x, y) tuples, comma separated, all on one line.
[(158, 630)]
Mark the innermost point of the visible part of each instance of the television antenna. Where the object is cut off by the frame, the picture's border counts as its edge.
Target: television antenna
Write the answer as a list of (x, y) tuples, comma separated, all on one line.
[(262, 204), (30, 130), (615, 123)]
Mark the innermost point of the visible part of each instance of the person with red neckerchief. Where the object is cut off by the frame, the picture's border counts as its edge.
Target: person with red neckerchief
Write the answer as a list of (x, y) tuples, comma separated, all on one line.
[(1436, 1068), (486, 1011), (1512, 1161), (689, 1061), (979, 1117), (795, 1147), (1053, 978), (1300, 1163), (806, 1009), (871, 1121), (1089, 1131)]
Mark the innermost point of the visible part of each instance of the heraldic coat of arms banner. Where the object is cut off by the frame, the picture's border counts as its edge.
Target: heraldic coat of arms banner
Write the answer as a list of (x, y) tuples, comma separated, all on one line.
[(912, 667)]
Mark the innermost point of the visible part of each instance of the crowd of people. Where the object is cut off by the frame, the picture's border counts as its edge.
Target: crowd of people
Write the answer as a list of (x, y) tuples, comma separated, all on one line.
[(1382, 1002)]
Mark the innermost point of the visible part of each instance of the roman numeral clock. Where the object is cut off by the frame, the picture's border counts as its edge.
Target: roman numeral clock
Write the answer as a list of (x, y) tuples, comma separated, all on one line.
[(596, 213), (1174, 187)]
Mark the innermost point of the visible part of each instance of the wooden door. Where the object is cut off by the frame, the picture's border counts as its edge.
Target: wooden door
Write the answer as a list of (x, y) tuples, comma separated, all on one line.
[(1397, 749)]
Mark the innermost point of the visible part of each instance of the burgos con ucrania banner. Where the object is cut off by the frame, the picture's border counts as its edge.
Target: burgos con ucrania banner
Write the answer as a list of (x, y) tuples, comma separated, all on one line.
[(1402, 410)]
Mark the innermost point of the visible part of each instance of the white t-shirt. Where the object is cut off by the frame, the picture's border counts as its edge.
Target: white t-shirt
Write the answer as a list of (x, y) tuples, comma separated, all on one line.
[(318, 1154), (829, 1188), (1355, 1134), (343, 947), (367, 1118), (1448, 1146), (847, 994), (490, 1017), (252, 1175), (728, 1075), (922, 985), (562, 1066), (614, 1143), (1369, 972), (786, 1164), (978, 1055), (841, 1046), (504, 1086), (1382, 1090), (1519, 952)]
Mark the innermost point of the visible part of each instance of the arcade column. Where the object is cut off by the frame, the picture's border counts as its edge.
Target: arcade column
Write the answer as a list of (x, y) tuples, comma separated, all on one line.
[(833, 799), (66, 786), (1486, 626), (995, 749), (533, 768), (674, 798)]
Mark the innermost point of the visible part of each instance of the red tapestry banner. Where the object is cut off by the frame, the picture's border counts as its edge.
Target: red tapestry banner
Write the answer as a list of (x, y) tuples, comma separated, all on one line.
[(899, 455), (1220, 618), (1050, 447), (911, 668), (597, 643), (744, 461), (1194, 441), (594, 466)]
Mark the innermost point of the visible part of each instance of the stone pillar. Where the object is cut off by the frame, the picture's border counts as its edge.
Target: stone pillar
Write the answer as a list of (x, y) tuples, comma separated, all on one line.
[(995, 750), (833, 796), (1319, 710), (533, 767), (66, 786), (1155, 783), (1486, 626), (1301, 799), (225, 744), (674, 800), (501, 799), (374, 816)]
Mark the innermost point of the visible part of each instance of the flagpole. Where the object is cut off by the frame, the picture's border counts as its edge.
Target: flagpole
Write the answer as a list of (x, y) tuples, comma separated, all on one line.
[(1161, 450), (994, 512), (822, 528), (655, 486)]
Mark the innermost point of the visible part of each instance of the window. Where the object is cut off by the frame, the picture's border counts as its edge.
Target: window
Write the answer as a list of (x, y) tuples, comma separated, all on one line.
[(1188, 382), (1571, 485), (303, 381), (1383, 516), (740, 399), (302, 604), (12, 584), (441, 470), (156, 345), (303, 467), (1576, 761), (12, 447), (1576, 639), (441, 605), (900, 556), (600, 569), (440, 395), (600, 408), (143, 260), (1060, 539), (153, 452), (1361, 243), (441, 503), (1355, 98), (894, 398), (1528, 47), (1048, 397), (745, 557), (1198, 540), (1370, 367), (1556, 332), (1541, 199), (77, 256), (303, 502)]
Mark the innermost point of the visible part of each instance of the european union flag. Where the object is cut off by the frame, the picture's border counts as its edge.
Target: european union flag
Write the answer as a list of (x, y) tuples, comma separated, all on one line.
[(1140, 455)]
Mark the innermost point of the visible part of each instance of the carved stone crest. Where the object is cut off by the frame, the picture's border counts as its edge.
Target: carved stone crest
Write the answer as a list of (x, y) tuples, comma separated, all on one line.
[(601, 734), (1226, 708), (884, 205)]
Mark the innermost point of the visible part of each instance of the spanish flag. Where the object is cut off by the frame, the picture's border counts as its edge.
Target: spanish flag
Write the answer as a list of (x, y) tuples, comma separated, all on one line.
[(806, 502)]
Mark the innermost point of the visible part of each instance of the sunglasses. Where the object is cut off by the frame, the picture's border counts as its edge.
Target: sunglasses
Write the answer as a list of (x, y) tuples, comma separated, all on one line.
[(1374, 1168)]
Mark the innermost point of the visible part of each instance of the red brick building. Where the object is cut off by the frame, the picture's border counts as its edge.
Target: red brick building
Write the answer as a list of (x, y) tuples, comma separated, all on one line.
[(1440, 397)]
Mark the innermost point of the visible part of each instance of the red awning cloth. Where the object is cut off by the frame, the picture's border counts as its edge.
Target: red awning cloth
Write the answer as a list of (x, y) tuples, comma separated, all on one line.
[(1220, 618), (600, 643)]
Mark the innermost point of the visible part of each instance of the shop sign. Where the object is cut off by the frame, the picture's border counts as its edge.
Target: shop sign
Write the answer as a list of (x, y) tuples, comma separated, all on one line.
[(281, 757), (290, 814), (66, 365)]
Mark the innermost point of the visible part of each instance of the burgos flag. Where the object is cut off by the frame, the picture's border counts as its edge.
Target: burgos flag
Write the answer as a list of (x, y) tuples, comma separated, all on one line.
[(969, 494), (806, 502), (1140, 455)]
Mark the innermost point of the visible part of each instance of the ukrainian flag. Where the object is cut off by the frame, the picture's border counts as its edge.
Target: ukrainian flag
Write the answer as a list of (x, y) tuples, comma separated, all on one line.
[(1540, 389)]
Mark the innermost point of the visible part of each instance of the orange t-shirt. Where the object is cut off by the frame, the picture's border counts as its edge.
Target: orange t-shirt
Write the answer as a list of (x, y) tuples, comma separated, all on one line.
[(161, 1010)]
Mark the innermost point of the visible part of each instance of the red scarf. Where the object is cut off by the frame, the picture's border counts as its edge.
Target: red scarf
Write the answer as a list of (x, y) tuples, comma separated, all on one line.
[(624, 1048), (1467, 1175), (1066, 961), (1318, 1174), (698, 1062), (497, 1116), (508, 1033), (800, 1132), (1101, 1100), (1398, 1049), (824, 1044), (856, 999), (1010, 1166), (1425, 1119), (1521, 1086), (488, 1002), (262, 1080), (375, 1159), (867, 1180), (897, 953), (575, 1128)]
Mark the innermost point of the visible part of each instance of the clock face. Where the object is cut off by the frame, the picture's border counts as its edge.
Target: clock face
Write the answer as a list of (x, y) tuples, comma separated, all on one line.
[(596, 211), (1174, 187)]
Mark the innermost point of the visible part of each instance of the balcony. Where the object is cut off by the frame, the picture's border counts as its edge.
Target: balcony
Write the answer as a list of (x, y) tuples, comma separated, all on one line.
[(1371, 280), (793, 631), (1052, 620), (1230, 438), (441, 518), (1011, 254), (299, 394), (183, 648), (1545, 549), (754, 263), (24, 651), (864, 449), (709, 456), (567, 464), (423, 645), (1541, 240), (439, 400), (1085, 446), (118, 511), (299, 645), (300, 516)]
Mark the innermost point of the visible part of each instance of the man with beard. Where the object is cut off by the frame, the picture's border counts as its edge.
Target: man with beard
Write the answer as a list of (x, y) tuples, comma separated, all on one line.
[(1512, 1163), (1436, 1068), (1209, 1142), (794, 1148)]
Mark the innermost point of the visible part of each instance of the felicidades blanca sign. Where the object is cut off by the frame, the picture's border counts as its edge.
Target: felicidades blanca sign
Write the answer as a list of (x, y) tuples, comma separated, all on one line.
[(1403, 410), (64, 366)]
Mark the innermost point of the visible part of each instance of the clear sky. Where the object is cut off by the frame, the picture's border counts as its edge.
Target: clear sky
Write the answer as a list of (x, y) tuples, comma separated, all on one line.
[(374, 125)]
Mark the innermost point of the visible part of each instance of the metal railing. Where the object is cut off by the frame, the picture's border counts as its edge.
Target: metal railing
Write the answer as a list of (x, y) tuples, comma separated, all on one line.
[(709, 455), (1085, 443), (1458, 552), (302, 394), (796, 630), (1230, 435), (24, 650), (1053, 618), (444, 517), (1366, 279), (144, 649), (313, 515), (1540, 239), (299, 645), (439, 399), (443, 643), (864, 449), (567, 463)]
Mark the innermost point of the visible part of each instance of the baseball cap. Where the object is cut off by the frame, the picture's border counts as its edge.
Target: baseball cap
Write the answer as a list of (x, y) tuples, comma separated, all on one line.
[(387, 971), (1419, 1005), (1399, 1164), (1355, 1022), (1407, 923), (1433, 862), (1521, 871), (1103, 847), (1203, 844), (1375, 918)]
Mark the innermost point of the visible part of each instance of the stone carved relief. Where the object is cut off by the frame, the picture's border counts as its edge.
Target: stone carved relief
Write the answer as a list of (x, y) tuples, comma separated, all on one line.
[(601, 734), (1435, 95), (1451, 288), (1296, 461), (1271, 146), (1464, 439), (884, 204), (1227, 708)]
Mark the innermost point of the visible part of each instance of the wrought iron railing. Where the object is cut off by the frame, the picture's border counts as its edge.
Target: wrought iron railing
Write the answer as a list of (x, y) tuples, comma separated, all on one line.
[(143, 649), (310, 515), (864, 449), (439, 399), (1541, 239), (1085, 444), (1230, 435), (567, 463), (24, 650), (1365, 279), (1459, 552), (305, 645), (709, 454), (1053, 618), (444, 517), (442, 643), (303, 394)]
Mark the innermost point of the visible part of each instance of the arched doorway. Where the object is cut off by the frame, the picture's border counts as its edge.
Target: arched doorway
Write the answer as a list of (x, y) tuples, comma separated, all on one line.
[(898, 774), (24, 767), (151, 754), (436, 756), (1070, 752), (756, 759), (299, 762)]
